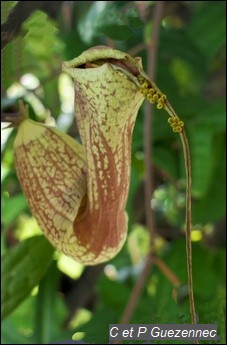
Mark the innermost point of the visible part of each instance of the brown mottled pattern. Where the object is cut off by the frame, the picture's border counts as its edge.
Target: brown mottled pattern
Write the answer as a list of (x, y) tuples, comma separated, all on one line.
[(105, 112), (52, 181)]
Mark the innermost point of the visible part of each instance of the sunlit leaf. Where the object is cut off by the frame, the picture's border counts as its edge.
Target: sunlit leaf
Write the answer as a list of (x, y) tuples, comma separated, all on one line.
[(22, 268)]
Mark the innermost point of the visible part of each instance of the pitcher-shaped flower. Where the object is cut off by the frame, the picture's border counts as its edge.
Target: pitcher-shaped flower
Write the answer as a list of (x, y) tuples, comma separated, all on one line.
[(78, 193)]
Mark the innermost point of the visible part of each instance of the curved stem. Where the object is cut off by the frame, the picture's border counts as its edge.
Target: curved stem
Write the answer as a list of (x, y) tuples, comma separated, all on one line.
[(188, 224), (187, 161)]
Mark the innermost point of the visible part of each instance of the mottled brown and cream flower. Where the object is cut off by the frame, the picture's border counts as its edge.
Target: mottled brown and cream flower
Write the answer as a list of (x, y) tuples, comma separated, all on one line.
[(78, 193)]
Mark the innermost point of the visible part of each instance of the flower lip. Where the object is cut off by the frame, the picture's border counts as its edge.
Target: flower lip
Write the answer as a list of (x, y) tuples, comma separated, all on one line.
[(120, 63), (99, 55)]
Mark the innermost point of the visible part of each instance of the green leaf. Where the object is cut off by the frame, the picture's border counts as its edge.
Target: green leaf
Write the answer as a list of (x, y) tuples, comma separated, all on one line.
[(117, 32), (212, 116), (106, 18), (161, 129), (201, 148), (51, 97), (41, 38), (89, 23), (10, 335), (166, 160), (13, 60), (213, 205), (6, 8), (208, 27), (46, 316), (97, 330), (17, 328), (134, 185), (135, 22), (174, 42), (22, 268), (203, 145), (74, 44), (12, 207)]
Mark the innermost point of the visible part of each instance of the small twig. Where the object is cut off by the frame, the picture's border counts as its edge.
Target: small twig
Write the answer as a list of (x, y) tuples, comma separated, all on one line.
[(110, 43), (167, 272), (133, 300), (9, 117), (136, 49)]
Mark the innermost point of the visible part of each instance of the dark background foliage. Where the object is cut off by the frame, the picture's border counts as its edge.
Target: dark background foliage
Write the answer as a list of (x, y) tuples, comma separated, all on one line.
[(47, 297)]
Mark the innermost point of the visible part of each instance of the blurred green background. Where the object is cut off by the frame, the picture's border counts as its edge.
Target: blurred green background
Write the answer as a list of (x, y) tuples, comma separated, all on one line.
[(47, 297)]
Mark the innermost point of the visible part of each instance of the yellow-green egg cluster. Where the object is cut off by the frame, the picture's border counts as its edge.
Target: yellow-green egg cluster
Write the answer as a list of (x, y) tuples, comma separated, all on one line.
[(150, 93), (176, 124)]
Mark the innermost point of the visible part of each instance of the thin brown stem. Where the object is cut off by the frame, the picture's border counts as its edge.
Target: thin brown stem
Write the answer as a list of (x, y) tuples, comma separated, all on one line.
[(110, 43), (148, 141), (133, 300), (188, 224), (187, 160), (136, 49)]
